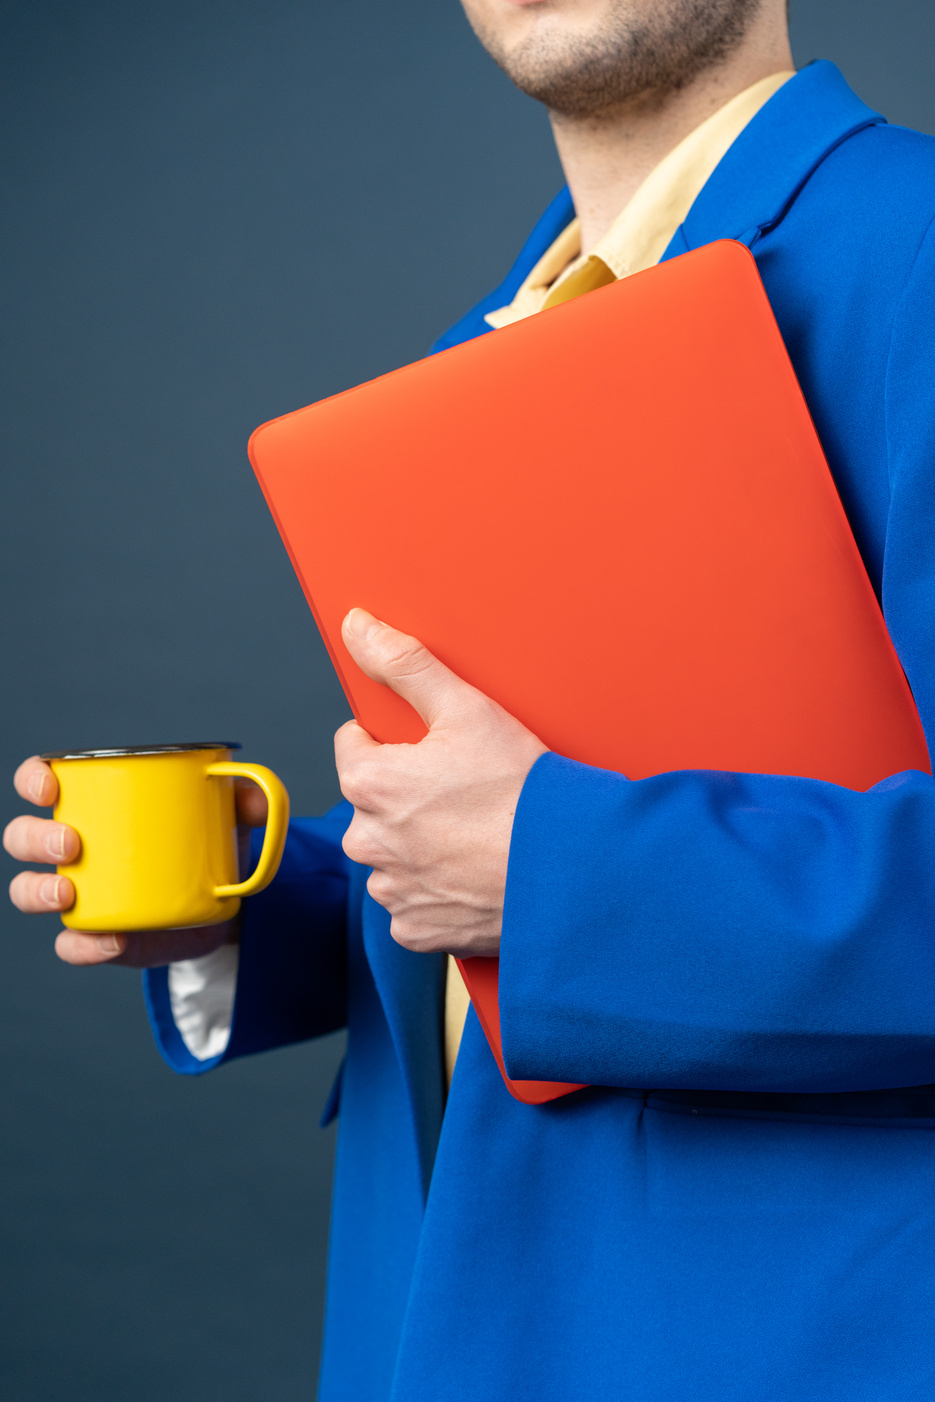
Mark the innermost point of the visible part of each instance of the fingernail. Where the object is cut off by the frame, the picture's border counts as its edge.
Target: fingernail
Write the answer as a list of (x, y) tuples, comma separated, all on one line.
[(37, 787), (55, 842), (109, 944), (361, 624), (49, 890)]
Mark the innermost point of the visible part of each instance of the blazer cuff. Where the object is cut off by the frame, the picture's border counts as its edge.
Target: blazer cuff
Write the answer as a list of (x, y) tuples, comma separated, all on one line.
[(288, 976)]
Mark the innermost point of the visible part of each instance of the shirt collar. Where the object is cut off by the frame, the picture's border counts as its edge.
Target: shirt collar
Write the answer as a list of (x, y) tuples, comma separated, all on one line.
[(747, 194), (641, 233)]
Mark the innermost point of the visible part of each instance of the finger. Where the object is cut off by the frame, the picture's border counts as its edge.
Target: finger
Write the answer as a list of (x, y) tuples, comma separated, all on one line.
[(251, 801), (37, 893), (361, 842), (406, 666), (80, 949), (141, 949), (352, 742), (35, 781), (353, 751), (31, 839)]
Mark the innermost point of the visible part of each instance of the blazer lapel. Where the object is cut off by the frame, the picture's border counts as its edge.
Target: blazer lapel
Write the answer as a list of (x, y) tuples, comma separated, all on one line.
[(754, 185)]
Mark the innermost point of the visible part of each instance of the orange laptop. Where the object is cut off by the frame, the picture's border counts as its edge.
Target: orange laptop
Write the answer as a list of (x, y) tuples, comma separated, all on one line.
[(616, 519)]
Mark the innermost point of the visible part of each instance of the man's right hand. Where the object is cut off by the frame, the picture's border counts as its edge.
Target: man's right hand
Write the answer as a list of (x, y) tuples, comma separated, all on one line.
[(32, 839)]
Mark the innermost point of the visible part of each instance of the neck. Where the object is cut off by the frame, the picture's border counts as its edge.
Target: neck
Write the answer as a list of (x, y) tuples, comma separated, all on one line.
[(607, 156)]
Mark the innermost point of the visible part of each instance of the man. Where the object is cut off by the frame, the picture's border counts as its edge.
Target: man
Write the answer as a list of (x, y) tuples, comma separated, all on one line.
[(742, 967)]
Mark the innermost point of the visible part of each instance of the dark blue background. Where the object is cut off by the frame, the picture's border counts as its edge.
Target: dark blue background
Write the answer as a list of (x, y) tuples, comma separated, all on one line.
[(216, 211)]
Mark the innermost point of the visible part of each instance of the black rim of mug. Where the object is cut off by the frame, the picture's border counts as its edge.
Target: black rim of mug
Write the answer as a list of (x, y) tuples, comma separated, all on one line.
[(142, 750)]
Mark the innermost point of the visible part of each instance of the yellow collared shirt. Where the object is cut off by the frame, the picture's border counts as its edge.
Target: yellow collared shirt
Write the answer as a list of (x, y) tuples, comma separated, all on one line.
[(636, 240)]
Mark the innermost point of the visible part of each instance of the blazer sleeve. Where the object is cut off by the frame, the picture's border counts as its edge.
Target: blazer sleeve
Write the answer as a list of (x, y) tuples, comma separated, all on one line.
[(745, 932), (292, 972)]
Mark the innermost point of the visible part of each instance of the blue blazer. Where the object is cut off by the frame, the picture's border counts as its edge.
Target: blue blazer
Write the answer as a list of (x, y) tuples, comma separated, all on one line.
[(742, 1206)]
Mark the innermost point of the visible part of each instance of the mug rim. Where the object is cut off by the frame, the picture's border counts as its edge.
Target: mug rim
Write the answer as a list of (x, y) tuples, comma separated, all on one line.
[(127, 750)]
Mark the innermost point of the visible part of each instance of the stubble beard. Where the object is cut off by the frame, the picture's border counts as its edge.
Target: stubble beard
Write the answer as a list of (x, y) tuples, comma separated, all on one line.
[(628, 58)]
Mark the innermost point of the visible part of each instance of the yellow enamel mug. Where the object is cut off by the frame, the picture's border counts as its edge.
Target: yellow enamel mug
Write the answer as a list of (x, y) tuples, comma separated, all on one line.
[(159, 834)]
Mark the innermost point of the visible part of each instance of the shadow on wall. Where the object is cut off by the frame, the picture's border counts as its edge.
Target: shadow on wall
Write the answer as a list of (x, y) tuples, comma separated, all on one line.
[(886, 49)]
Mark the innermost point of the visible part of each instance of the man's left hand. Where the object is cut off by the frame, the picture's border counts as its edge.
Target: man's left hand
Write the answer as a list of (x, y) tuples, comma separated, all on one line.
[(433, 819)]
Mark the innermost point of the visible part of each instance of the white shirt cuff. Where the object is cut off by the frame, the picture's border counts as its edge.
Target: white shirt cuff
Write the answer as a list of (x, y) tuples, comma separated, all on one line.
[(201, 994)]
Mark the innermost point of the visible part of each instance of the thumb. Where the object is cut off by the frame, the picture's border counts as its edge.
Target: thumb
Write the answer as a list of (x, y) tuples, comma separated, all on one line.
[(404, 665)]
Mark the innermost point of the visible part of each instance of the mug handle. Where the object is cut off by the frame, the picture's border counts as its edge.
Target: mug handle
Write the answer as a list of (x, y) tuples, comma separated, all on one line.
[(274, 839)]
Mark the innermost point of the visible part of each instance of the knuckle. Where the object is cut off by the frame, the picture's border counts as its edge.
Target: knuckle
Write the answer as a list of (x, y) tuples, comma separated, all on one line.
[(9, 836), (363, 782), (19, 890), (66, 945), (381, 887), (363, 853), (405, 933), (22, 838), (352, 789), (77, 949), (407, 657), (360, 845), (74, 947), (35, 781), (28, 894), (351, 846)]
